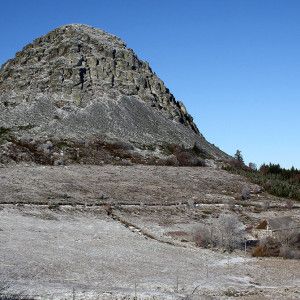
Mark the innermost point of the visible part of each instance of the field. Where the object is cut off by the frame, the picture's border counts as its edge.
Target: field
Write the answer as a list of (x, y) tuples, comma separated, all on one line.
[(126, 232)]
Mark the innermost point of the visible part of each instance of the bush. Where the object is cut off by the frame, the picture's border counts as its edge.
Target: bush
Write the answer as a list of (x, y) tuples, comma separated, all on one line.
[(200, 152), (188, 158), (288, 252), (267, 247), (224, 232), (245, 193), (284, 243), (203, 236)]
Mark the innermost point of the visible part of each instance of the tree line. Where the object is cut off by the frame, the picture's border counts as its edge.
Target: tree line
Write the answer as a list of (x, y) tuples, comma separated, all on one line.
[(275, 179)]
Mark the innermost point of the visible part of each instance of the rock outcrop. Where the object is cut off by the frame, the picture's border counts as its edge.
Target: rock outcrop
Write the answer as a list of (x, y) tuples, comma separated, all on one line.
[(78, 84)]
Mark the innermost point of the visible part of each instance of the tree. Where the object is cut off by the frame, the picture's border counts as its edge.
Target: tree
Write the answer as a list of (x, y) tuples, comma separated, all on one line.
[(252, 166), (238, 156)]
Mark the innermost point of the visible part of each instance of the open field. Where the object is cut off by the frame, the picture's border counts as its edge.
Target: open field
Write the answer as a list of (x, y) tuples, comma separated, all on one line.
[(118, 184), (111, 232)]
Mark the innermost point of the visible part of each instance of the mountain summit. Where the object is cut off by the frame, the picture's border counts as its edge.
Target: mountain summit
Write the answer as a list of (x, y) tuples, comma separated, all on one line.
[(78, 86)]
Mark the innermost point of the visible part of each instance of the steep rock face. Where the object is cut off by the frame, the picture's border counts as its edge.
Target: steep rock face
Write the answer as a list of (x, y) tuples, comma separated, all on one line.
[(78, 82)]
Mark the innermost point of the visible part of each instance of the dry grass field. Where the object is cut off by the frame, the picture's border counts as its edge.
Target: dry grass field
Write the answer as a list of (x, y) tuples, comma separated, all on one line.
[(126, 232)]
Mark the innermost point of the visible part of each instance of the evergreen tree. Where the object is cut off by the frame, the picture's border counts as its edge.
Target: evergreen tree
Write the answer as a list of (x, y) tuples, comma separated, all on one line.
[(238, 156)]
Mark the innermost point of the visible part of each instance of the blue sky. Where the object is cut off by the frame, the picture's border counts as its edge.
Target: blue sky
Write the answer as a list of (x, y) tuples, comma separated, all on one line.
[(234, 63)]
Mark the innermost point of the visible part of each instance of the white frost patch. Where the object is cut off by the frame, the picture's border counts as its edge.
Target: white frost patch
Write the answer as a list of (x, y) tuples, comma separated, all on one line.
[(231, 261), (240, 280)]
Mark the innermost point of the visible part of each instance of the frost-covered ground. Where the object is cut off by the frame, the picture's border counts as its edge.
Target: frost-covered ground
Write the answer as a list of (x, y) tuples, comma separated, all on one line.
[(80, 252), (50, 253)]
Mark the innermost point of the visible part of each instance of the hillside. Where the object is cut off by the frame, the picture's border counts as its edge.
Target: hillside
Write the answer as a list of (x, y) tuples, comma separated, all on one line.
[(113, 232)]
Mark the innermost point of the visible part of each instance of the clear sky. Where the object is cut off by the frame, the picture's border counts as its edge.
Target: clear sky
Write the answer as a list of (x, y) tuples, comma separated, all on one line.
[(234, 63)]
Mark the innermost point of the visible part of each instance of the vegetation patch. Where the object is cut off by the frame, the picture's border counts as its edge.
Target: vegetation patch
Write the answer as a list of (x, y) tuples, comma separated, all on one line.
[(4, 134), (225, 232), (284, 244), (273, 178), (187, 157)]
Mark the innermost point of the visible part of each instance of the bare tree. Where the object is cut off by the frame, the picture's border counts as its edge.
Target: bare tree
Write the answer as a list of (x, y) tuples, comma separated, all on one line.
[(230, 230), (226, 232)]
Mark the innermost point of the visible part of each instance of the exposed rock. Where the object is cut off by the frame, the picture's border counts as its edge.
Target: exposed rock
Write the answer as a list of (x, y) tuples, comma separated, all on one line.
[(80, 83)]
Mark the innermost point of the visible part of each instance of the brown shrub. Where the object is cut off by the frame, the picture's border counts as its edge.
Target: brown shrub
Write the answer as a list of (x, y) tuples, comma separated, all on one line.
[(267, 247), (188, 158), (97, 151), (262, 225), (202, 237), (169, 161), (272, 246)]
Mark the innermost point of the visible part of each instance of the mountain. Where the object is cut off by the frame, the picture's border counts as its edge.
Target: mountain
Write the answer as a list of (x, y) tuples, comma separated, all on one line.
[(80, 93)]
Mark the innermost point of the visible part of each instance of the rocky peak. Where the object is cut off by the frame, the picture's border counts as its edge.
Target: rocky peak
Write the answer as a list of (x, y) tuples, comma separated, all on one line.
[(81, 83), (76, 62)]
